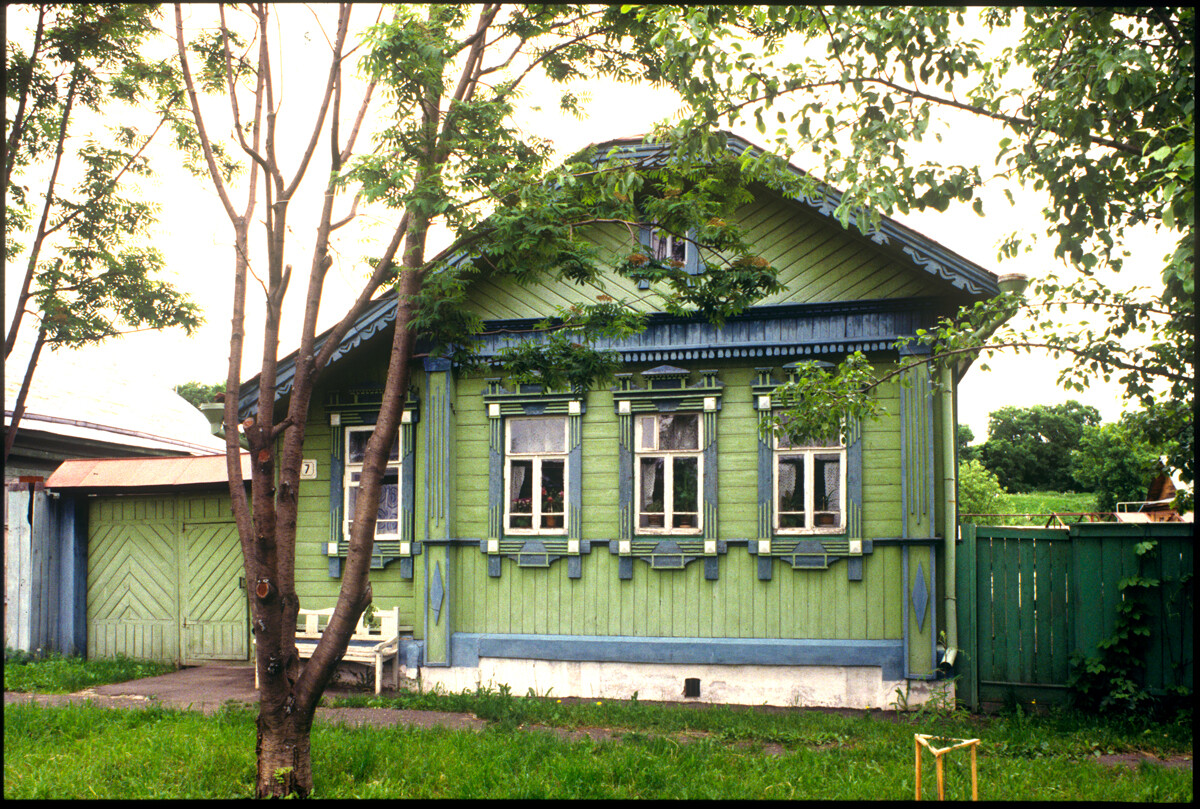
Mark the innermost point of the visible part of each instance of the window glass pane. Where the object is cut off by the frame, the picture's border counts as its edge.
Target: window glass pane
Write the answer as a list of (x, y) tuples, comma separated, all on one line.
[(389, 496), (356, 446), (678, 250), (827, 492), (791, 491), (647, 424), (520, 494), (685, 487), (650, 496), (666, 247), (387, 518), (537, 435), (679, 431), (552, 486), (685, 483), (352, 495)]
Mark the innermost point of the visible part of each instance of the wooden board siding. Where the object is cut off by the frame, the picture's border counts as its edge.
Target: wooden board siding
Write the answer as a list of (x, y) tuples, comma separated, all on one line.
[(817, 262), (794, 604), (315, 587), (678, 603)]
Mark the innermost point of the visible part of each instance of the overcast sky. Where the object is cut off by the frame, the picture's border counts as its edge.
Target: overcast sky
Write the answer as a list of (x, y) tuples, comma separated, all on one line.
[(195, 236)]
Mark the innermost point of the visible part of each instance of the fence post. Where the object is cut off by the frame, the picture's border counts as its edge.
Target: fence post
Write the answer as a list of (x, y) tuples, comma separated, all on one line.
[(968, 616)]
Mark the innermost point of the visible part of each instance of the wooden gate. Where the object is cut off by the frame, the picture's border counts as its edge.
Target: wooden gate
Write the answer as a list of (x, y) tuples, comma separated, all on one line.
[(163, 589), (1029, 598)]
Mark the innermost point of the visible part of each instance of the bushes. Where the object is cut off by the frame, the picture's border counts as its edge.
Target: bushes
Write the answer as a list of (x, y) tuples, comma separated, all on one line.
[(979, 491)]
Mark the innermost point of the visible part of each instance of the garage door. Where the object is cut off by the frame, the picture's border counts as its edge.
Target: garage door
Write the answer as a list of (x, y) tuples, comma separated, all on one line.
[(163, 589)]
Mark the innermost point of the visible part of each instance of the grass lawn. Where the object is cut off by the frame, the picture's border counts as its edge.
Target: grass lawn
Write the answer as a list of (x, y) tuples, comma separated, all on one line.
[(661, 751), (1039, 503), (54, 674)]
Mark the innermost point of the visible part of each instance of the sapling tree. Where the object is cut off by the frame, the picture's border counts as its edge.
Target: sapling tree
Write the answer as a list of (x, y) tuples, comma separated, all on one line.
[(441, 84), (70, 214)]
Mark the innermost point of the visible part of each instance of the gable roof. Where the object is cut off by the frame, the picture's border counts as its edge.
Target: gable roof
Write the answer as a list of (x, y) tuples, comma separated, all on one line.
[(904, 243)]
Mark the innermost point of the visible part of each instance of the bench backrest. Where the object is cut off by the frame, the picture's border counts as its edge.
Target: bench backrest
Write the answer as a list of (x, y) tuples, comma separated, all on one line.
[(311, 623)]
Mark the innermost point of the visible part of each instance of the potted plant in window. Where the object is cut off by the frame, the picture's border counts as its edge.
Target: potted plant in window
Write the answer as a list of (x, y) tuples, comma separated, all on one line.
[(552, 508)]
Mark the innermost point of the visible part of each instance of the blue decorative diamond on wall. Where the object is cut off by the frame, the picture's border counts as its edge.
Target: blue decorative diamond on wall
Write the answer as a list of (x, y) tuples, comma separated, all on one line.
[(437, 592), (920, 597)]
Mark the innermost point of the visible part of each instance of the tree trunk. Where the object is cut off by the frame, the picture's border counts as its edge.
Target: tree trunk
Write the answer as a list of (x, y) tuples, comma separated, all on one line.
[(284, 755), (10, 435)]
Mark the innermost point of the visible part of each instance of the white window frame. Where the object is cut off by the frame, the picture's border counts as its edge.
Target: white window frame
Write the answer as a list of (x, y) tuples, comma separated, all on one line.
[(809, 454), (668, 455), (348, 484), (536, 529)]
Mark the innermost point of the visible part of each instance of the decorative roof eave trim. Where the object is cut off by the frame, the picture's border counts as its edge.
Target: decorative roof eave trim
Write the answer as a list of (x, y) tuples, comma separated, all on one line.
[(760, 332)]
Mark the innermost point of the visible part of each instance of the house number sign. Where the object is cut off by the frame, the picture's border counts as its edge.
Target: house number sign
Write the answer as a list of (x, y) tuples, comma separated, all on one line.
[(308, 469)]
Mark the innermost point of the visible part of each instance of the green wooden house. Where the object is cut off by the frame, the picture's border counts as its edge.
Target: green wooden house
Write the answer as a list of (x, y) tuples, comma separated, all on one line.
[(645, 537)]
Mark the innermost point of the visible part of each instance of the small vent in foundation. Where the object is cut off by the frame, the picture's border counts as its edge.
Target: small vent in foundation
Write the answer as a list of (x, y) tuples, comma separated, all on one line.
[(691, 687)]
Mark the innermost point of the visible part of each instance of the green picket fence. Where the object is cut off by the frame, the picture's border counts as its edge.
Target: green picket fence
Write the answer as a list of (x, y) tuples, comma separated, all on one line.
[(1028, 598)]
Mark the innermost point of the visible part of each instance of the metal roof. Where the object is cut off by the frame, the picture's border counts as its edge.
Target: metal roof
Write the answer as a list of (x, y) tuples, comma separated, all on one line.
[(84, 395), (114, 474)]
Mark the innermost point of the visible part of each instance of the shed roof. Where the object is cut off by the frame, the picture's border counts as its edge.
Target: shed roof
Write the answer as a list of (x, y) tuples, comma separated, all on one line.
[(112, 474)]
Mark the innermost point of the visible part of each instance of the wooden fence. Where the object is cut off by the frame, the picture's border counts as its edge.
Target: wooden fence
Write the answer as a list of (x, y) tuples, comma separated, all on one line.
[(1029, 598)]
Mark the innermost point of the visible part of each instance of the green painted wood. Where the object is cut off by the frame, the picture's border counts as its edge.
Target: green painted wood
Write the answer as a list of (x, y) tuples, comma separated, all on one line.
[(984, 632), (1087, 587), (1072, 580), (1012, 608), (216, 618), (1045, 578), (133, 598), (1026, 574), (967, 662), (1060, 618)]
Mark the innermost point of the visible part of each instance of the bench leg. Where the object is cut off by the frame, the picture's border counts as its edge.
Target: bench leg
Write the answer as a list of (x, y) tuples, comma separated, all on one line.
[(378, 674)]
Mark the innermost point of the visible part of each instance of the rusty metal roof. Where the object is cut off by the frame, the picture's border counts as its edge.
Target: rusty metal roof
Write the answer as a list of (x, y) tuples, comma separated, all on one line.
[(142, 473)]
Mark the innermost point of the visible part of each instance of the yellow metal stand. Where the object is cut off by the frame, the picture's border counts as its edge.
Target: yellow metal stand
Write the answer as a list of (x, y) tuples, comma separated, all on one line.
[(922, 740)]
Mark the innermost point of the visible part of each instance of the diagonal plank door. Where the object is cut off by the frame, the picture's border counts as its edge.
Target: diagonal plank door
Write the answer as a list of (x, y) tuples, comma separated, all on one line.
[(132, 605), (215, 619)]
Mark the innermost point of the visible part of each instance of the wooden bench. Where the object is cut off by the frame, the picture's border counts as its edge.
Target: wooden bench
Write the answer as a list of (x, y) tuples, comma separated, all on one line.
[(367, 645)]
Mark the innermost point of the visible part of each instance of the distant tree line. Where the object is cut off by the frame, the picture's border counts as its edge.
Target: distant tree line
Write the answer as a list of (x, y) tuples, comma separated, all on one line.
[(1059, 448)]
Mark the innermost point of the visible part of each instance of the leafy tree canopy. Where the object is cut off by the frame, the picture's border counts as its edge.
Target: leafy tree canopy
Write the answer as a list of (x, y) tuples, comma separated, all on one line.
[(1096, 109), (1117, 461), (979, 492), (1029, 448), (90, 271)]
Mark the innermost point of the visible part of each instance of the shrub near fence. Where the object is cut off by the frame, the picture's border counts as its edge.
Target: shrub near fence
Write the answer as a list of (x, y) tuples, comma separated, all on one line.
[(1030, 598)]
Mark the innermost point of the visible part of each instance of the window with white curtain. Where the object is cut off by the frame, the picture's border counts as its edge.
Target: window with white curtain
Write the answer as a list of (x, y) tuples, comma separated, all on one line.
[(810, 486), (387, 522), (535, 475), (668, 472)]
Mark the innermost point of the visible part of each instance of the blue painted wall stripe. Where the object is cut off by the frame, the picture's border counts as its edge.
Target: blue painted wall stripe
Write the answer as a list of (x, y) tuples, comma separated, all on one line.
[(467, 648)]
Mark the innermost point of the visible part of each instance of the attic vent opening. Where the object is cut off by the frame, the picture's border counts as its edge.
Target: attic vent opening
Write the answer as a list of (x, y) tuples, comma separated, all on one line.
[(691, 687)]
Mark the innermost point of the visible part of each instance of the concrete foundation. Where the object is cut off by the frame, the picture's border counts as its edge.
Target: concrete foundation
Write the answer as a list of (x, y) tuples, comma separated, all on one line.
[(789, 686)]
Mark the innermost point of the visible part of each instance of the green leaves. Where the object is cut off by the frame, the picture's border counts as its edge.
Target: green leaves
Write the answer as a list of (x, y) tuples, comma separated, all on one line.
[(1097, 110)]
